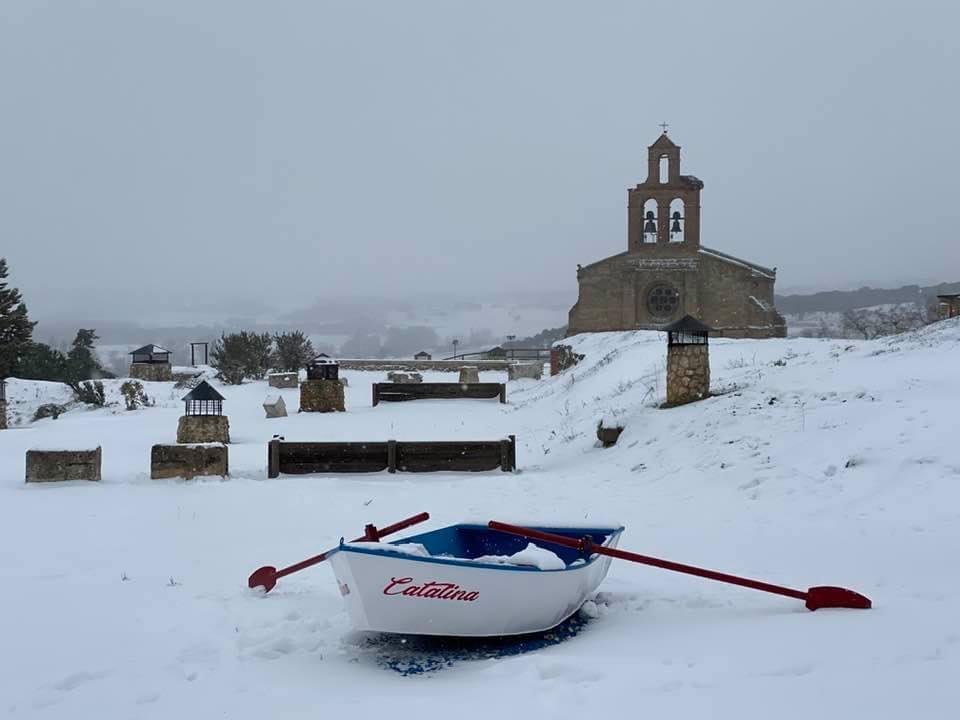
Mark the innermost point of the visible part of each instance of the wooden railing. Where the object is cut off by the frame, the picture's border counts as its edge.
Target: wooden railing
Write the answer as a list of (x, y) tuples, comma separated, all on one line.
[(302, 458), (399, 392)]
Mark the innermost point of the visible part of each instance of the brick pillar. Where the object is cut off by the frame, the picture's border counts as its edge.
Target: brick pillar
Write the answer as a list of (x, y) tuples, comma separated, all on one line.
[(688, 373)]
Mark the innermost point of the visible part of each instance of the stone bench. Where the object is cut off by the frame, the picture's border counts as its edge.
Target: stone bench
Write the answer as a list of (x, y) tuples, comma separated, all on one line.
[(188, 461), (283, 380), (533, 371), (60, 465)]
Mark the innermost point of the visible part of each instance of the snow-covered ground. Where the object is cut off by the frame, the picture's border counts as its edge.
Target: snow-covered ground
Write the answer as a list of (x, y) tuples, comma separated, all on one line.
[(823, 462)]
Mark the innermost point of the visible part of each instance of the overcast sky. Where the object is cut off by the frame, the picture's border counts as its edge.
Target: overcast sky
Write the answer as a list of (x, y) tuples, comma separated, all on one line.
[(270, 152)]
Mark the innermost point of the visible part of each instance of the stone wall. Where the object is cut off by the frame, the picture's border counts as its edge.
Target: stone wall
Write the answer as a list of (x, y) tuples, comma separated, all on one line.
[(402, 377), (155, 372), (3, 414), (283, 380), (531, 370), (59, 465), (188, 461), (688, 373), (321, 396), (203, 429)]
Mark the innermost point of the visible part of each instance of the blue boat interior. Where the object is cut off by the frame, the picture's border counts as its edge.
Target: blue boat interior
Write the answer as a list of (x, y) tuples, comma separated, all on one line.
[(473, 541)]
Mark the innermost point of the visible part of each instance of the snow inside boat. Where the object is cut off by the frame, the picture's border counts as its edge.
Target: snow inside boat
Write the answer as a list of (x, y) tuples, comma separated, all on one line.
[(468, 581)]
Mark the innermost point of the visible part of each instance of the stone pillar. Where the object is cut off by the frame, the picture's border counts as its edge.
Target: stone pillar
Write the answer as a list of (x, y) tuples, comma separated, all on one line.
[(469, 375), (688, 373), (3, 414), (203, 429), (321, 396)]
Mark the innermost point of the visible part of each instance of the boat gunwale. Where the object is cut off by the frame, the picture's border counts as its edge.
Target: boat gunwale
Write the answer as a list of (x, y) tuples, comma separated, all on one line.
[(380, 550)]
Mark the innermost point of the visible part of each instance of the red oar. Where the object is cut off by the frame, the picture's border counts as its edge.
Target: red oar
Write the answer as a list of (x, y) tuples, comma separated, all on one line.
[(824, 596), (267, 576)]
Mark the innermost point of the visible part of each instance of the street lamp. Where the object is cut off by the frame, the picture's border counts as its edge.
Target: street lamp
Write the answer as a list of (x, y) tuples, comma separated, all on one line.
[(455, 343)]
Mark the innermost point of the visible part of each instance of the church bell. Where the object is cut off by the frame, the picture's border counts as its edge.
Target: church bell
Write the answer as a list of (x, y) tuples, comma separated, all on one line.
[(675, 227), (650, 227)]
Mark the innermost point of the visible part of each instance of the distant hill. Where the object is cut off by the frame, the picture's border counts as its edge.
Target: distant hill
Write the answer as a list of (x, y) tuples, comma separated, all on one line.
[(843, 300)]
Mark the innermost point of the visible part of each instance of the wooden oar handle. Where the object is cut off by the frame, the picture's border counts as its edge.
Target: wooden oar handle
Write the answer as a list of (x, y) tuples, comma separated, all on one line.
[(815, 597)]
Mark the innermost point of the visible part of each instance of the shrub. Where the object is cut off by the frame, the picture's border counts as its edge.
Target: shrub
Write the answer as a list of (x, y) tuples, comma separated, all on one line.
[(90, 393), (241, 355), (133, 394), (51, 410)]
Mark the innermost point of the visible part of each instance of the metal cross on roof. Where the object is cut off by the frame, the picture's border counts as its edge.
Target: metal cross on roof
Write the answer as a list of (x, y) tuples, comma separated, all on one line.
[(664, 125)]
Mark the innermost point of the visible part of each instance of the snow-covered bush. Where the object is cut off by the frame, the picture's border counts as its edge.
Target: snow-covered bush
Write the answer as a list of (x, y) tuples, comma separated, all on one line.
[(133, 394), (90, 393)]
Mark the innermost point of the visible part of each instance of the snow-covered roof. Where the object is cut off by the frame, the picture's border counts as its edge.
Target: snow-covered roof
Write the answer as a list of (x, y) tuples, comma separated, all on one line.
[(150, 349)]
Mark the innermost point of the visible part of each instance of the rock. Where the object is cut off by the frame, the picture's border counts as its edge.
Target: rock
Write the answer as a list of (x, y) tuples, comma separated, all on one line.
[(274, 406), (608, 436)]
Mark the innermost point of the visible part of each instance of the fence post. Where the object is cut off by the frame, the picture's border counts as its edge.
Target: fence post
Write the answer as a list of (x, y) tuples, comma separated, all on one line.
[(391, 456), (376, 394), (503, 393), (513, 452), (273, 459), (505, 455)]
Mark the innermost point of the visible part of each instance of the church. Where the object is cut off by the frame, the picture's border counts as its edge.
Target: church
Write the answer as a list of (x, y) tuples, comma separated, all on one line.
[(666, 273)]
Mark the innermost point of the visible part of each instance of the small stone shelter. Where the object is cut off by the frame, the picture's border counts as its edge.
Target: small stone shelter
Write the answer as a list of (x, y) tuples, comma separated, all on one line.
[(151, 362), (423, 355)]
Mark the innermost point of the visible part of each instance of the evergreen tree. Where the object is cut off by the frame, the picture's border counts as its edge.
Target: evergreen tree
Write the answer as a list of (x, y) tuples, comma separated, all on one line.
[(294, 351), (81, 360), (16, 330)]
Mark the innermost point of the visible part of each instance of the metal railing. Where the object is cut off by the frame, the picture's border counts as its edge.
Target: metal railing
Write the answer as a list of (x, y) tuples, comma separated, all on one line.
[(508, 354)]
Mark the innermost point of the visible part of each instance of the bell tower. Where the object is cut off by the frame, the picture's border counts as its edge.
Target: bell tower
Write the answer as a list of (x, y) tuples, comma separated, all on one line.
[(663, 212)]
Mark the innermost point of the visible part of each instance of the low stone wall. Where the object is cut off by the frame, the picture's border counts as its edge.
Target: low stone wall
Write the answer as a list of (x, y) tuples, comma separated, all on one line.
[(192, 429), (321, 396), (283, 380), (421, 365), (533, 371), (3, 414), (688, 373), (59, 465), (188, 461), (153, 372)]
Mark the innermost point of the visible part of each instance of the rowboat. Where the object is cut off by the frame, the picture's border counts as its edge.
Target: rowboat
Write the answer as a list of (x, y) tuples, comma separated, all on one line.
[(469, 580)]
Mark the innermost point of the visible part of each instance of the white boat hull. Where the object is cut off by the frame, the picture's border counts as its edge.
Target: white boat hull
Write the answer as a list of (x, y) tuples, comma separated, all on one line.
[(394, 593)]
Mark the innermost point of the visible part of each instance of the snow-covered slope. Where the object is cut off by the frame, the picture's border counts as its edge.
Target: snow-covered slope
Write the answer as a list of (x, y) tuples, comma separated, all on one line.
[(819, 462)]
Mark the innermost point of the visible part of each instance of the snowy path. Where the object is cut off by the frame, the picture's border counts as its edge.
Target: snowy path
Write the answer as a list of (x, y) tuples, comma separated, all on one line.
[(127, 598)]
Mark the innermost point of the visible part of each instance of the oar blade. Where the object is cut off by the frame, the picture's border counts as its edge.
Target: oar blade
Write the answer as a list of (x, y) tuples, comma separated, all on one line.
[(265, 577), (827, 596)]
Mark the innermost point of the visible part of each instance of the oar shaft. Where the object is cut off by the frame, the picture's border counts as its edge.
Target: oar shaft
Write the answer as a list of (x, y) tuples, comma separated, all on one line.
[(388, 530), (647, 560)]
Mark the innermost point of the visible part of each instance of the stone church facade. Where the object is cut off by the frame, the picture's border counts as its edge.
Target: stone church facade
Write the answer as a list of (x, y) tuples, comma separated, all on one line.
[(666, 273)]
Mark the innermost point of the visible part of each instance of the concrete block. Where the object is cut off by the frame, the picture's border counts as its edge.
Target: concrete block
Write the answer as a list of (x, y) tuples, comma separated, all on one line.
[(275, 407), (283, 380)]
